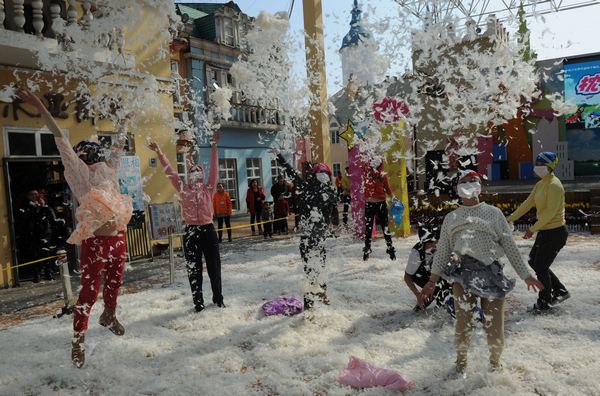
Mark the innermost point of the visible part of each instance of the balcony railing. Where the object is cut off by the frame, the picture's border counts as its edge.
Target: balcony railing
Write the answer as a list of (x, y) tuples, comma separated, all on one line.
[(47, 19), (249, 116)]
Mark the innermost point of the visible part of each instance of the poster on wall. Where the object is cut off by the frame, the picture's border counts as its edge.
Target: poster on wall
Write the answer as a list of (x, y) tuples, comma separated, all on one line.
[(582, 89), (130, 180), (164, 220)]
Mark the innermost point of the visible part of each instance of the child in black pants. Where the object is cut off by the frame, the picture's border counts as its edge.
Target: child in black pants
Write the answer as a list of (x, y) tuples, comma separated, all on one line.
[(267, 215)]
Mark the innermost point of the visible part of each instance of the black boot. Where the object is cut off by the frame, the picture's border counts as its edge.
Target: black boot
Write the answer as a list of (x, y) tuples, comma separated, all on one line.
[(199, 302), (366, 252), (392, 252)]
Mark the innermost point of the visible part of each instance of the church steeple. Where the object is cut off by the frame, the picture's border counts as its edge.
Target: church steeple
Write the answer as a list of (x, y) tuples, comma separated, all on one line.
[(357, 33)]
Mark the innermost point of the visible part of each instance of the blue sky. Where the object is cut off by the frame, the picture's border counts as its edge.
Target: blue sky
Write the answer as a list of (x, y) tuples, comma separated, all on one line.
[(553, 36)]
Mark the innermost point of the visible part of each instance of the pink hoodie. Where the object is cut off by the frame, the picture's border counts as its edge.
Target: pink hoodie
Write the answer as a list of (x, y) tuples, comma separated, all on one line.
[(196, 198)]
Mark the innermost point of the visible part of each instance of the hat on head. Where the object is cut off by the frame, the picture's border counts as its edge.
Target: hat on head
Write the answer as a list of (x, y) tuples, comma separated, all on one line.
[(321, 167), (549, 158), (89, 152), (467, 173)]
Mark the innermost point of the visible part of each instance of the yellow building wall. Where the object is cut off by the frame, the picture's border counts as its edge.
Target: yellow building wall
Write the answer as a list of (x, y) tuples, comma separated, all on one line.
[(146, 45), (339, 154)]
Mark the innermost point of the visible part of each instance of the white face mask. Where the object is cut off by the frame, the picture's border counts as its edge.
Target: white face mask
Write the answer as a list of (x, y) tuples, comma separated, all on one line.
[(469, 190), (196, 176), (541, 170), (323, 177)]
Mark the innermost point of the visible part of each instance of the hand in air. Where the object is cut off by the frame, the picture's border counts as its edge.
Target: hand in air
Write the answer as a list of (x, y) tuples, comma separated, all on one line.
[(26, 96), (153, 146)]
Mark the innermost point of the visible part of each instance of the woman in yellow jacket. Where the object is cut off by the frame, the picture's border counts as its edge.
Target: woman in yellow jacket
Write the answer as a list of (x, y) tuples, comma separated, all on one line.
[(222, 207), (548, 197)]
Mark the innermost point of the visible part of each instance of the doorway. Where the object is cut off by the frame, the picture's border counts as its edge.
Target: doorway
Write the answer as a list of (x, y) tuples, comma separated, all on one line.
[(38, 227)]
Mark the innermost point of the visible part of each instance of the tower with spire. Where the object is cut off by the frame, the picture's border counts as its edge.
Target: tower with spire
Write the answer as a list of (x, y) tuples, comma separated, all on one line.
[(359, 52)]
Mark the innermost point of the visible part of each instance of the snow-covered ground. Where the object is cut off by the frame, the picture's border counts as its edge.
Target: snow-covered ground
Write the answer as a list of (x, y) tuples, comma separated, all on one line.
[(169, 349)]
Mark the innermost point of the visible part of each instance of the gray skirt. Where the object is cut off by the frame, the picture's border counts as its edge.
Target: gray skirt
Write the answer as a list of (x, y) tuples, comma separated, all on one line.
[(487, 281)]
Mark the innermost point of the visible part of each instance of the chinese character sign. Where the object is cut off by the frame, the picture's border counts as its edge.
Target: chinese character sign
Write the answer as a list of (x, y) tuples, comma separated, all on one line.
[(582, 88), (130, 180), (164, 220)]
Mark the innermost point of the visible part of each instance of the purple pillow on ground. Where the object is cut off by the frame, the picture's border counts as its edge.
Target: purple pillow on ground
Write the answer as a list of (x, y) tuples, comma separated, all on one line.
[(283, 305)]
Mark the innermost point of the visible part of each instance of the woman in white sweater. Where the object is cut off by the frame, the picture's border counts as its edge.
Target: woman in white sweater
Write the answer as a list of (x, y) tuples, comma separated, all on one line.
[(473, 239)]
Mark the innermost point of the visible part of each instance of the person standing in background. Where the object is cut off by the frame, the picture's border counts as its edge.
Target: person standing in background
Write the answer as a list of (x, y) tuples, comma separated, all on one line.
[(338, 185), (35, 236), (346, 200), (548, 197), (377, 189), (223, 209), (255, 197), (280, 193)]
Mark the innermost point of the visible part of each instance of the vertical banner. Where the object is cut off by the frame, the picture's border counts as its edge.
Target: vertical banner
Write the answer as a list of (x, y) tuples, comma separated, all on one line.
[(130, 180), (390, 111), (396, 170), (355, 177), (356, 192)]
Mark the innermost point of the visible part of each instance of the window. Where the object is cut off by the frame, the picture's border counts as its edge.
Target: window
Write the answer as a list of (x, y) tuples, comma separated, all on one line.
[(106, 140), (228, 32), (335, 138), (276, 170), (337, 168), (176, 77), (181, 166), (228, 176), (26, 142), (253, 169)]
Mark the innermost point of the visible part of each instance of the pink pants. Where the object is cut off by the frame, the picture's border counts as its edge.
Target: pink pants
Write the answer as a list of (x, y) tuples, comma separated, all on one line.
[(101, 257)]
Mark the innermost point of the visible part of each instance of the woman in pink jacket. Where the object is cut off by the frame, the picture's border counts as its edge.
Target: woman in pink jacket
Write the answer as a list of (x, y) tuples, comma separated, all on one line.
[(200, 236), (102, 217)]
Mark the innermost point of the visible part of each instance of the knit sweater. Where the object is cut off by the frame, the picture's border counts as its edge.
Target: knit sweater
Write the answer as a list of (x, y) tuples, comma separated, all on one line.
[(480, 231), (548, 197)]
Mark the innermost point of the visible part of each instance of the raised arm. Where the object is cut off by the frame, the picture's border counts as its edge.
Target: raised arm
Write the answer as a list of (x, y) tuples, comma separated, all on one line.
[(29, 98), (171, 174), (291, 172), (77, 172)]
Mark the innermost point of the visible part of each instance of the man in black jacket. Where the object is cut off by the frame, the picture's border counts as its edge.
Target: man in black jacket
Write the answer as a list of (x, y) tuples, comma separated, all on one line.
[(280, 193), (35, 235), (317, 207)]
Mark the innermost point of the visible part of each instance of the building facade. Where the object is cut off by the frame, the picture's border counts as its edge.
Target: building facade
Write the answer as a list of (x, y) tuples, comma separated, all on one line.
[(216, 40), (29, 154)]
